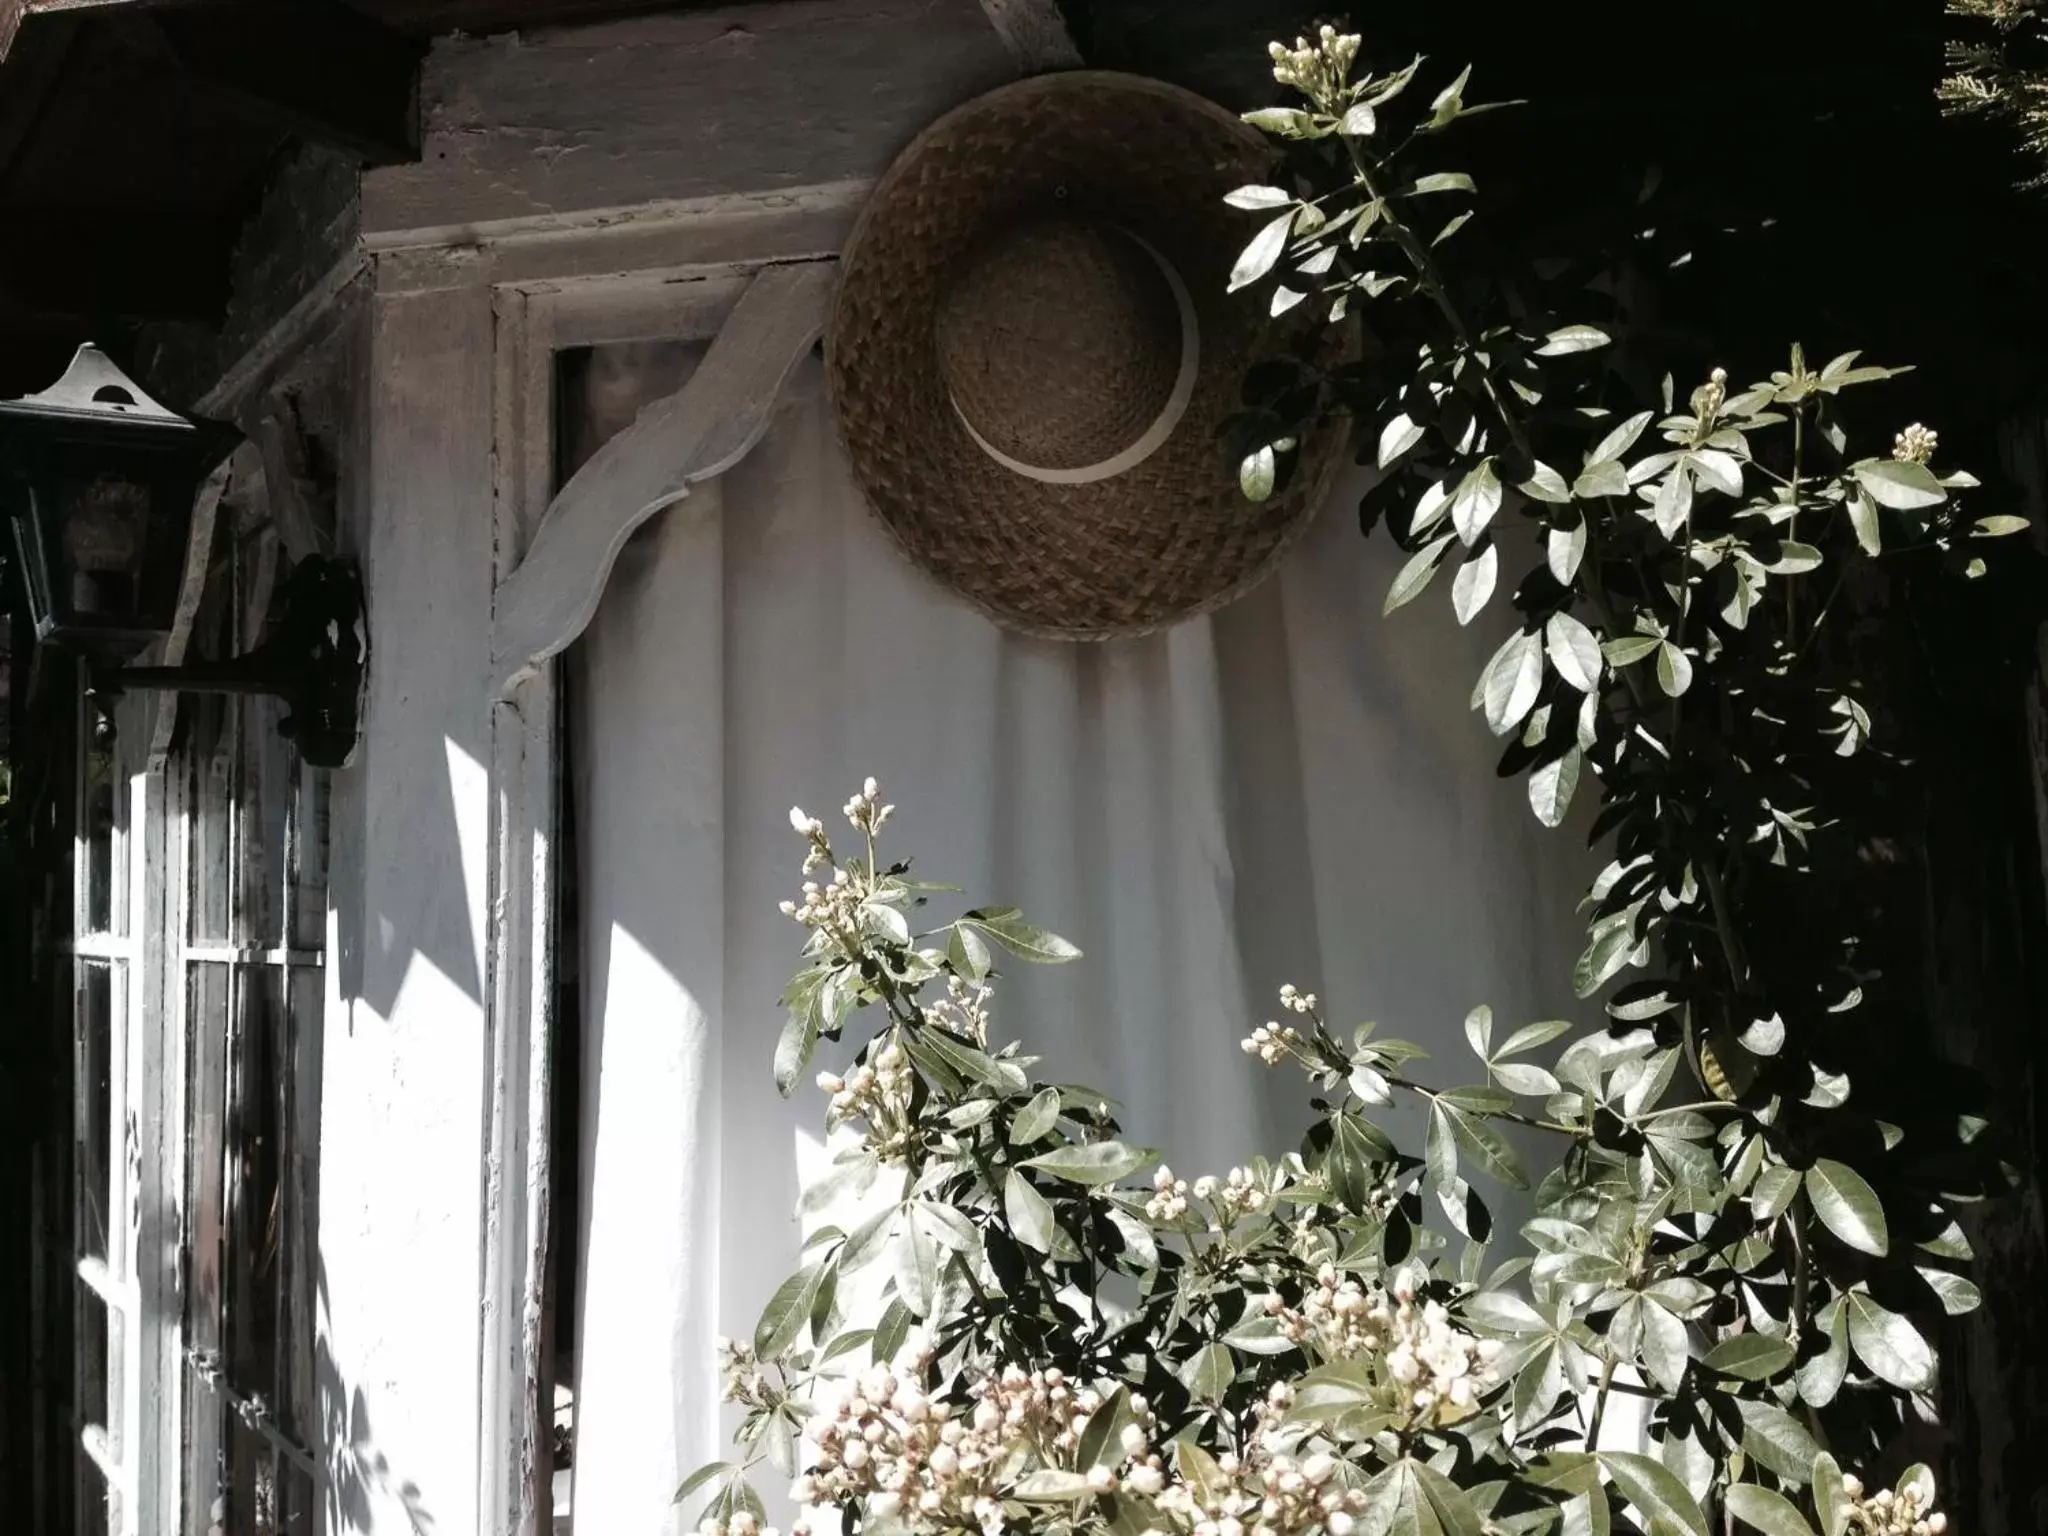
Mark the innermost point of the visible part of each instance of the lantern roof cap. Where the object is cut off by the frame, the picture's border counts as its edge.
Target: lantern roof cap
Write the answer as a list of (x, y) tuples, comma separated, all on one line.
[(94, 389)]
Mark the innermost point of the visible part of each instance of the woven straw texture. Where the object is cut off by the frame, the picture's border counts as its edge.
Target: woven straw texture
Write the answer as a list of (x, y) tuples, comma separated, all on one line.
[(1168, 539)]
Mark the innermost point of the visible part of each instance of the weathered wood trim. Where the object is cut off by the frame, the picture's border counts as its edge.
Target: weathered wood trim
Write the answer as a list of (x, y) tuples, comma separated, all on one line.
[(191, 588), (695, 434), (1035, 33), (691, 104), (297, 329), (520, 988), (692, 237), (302, 508)]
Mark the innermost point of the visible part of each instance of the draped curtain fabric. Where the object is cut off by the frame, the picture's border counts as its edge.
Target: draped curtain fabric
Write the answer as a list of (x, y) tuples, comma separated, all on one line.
[(1289, 790)]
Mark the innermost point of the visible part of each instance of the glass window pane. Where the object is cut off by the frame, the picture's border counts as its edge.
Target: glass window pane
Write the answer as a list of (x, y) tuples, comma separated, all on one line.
[(256, 1214), (94, 1345), (206, 1020), (211, 766), (262, 825), (94, 1497), (298, 1407), (252, 1481), (301, 1502), (95, 1003), (98, 817), (309, 853)]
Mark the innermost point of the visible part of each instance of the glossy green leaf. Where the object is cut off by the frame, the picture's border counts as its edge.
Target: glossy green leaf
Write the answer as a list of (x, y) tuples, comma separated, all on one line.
[(1762, 1510), (1654, 1489), (1773, 1191), (1888, 1344), (1509, 686), (1417, 573), (1750, 1356), (1397, 437), (788, 1310), (1258, 473), (1100, 1162), (1777, 1440), (1473, 585), (1830, 1495), (1574, 651), (1848, 1206), (1036, 1119), (1901, 485), (1028, 1212), (1051, 1486), (1209, 1375), (1552, 785), (1264, 251), (1025, 940), (1572, 338)]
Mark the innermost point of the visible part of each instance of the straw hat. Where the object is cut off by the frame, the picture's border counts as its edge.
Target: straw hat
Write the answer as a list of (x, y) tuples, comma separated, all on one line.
[(1032, 356)]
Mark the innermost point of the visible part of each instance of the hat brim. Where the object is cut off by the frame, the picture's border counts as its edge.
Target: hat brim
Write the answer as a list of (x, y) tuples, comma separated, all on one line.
[(1171, 537)]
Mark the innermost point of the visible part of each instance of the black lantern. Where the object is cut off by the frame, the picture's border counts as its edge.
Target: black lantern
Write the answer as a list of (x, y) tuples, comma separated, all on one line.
[(99, 481)]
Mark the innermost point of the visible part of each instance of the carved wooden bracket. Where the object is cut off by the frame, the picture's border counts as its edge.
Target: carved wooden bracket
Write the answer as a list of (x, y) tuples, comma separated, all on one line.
[(694, 435)]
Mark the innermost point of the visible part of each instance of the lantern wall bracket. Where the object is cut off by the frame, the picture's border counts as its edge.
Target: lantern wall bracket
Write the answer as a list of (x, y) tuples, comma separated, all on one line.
[(313, 658)]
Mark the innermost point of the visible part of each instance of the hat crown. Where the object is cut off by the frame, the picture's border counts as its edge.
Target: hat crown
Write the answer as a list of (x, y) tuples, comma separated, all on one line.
[(1061, 341)]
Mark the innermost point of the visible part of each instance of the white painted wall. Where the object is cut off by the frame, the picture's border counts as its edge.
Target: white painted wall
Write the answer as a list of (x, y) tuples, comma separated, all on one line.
[(403, 1079)]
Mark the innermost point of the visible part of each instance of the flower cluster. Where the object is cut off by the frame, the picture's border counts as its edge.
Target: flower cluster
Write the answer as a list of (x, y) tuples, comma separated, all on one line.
[(1916, 444), (1319, 69), (1169, 1200), (920, 1459), (1271, 1043), (879, 1092), (1269, 1491), (1908, 1512), (1238, 1193), (1432, 1372), (1708, 399), (740, 1379), (963, 1011), (866, 811), (744, 1523), (832, 908)]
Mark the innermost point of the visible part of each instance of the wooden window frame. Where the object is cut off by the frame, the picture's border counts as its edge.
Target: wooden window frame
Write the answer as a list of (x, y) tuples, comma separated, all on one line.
[(555, 552)]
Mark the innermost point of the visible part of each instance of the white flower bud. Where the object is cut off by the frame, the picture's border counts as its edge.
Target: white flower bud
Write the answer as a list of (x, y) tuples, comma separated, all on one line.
[(1101, 1479), (1338, 1524)]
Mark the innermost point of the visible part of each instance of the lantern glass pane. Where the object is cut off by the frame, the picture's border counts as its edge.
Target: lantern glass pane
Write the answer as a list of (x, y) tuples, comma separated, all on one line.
[(106, 523)]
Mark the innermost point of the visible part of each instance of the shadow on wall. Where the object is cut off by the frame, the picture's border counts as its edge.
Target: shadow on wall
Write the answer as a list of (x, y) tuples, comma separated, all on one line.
[(363, 1494)]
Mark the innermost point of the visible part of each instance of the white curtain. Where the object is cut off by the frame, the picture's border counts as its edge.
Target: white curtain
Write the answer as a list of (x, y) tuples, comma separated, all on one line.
[(1290, 790)]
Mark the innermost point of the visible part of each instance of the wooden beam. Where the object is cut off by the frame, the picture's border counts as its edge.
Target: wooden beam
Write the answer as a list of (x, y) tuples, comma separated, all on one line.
[(314, 67)]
